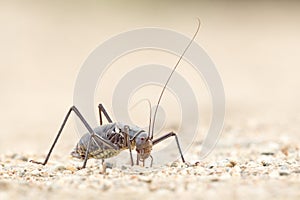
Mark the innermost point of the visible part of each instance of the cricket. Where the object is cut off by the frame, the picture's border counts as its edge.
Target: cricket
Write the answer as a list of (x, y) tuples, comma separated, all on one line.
[(108, 140)]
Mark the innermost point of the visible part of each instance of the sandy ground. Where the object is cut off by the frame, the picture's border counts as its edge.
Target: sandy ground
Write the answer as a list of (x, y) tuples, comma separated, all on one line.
[(255, 47), (246, 164)]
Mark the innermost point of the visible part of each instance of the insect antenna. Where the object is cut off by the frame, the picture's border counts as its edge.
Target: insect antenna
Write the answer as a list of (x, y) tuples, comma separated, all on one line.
[(165, 86), (150, 115), (150, 118)]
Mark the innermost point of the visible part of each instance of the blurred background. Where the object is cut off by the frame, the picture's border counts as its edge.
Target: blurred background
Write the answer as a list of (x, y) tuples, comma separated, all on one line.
[(254, 44)]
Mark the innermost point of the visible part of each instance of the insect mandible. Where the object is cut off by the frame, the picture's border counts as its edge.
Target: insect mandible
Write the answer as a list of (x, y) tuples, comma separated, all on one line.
[(108, 140)]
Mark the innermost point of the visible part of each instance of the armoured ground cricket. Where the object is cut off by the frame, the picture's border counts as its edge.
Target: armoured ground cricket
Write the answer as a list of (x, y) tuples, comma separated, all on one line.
[(108, 140)]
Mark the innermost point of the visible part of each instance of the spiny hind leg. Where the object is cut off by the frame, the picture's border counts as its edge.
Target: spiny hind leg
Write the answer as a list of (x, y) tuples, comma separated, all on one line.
[(73, 108), (103, 110), (91, 137)]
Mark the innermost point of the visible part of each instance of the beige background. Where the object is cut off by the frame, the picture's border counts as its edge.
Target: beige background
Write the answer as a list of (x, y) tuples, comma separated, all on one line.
[(255, 46)]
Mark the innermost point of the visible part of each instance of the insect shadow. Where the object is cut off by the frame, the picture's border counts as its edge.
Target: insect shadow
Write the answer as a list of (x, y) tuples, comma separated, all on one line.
[(108, 140)]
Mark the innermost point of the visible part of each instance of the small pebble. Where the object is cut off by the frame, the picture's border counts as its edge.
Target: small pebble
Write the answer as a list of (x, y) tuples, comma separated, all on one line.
[(265, 160), (236, 171), (267, 153), (297, 171), (124, 167), (145, 179), (59, 168), (174, 164), (285, 150), (35, 172), (109, 165), (284, 171), (71, 168)]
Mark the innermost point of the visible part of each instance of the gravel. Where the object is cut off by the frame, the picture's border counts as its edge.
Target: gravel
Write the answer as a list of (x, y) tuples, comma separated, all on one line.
[(241, 167), (24, 180)]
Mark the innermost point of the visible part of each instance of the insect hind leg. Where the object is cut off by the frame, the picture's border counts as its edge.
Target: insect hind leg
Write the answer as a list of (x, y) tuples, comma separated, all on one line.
[(88, 127), (162, 138), (55, 141), (103, 110)]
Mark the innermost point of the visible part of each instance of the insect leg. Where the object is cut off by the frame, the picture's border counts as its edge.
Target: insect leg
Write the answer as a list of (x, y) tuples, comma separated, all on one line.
[(167, 136), (55, 141), (92, 134), (103, 167), (126, 128), (137, 159), (151, 161), (102, 110)]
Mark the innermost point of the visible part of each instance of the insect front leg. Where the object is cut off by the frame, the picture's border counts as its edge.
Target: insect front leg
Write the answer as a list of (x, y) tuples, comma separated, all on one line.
[(137, 159), (162, 138)]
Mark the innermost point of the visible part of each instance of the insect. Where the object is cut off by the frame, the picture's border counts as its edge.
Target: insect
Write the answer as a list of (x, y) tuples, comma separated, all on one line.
[(108, 140)]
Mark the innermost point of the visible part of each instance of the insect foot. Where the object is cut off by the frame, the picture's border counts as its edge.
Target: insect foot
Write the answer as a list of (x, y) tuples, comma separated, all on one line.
[(37, 162)]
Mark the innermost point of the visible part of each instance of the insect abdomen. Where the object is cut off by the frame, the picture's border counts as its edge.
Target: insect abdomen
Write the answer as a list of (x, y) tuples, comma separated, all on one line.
[(103, 154), (98, 150), (95, 152)]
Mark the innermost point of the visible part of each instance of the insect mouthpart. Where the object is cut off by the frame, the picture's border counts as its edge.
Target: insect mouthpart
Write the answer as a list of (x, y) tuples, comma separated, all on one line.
[(144, 150), (143, 146)]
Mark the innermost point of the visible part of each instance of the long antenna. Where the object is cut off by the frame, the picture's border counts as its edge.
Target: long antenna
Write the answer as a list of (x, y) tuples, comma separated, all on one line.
[(165, 86), (150, 118), (150, 114)]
